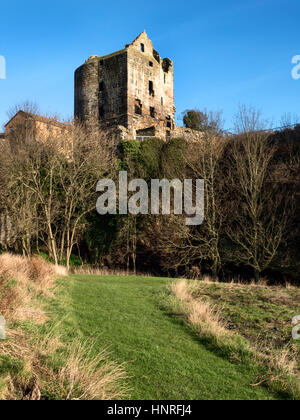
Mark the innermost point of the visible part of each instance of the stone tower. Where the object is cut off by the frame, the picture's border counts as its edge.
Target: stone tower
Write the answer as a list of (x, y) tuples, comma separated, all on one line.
[(132, 88)]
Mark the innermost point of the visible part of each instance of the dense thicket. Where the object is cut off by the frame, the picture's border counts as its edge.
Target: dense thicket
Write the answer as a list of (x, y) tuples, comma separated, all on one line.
[(251, 226)]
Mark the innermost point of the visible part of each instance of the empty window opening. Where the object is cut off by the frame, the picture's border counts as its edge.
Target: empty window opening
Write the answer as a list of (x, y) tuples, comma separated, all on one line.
[(162, 100), (142, 46), (156, 56), (101, 111), (145, 133), (101, 86), (166, 64), (150, 64), (152, 111), (101, 62), (165, 78), (168, 122), (138, 107), (151, 90)]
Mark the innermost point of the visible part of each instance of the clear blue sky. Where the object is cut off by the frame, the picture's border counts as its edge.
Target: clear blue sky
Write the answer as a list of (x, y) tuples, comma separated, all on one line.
[(225, 52)]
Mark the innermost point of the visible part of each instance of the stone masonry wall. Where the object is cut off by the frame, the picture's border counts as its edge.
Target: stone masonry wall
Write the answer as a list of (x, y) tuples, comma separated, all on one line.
[(113, 89), (87, 92), (101, 90), (133, 88), (150, 84), (187, 133)]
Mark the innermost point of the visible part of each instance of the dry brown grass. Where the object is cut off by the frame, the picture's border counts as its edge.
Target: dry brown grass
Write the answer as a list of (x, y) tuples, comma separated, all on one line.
[(33, 268), (91, 378), (201, 314), (22, 281), (83, 376), (106, 272)]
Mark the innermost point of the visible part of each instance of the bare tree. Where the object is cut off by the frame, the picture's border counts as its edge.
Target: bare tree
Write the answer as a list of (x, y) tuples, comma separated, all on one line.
[(17, 201), (200, 245), (27, 106), (288, 120), (51, 185), (259, 214), (204, 240), (93, 156)]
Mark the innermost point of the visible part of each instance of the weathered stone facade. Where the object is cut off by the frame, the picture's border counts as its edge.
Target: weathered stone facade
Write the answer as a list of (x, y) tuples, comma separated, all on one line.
[(132, 88), (101, 90), (39, 127), (25, 125), (187, 133)]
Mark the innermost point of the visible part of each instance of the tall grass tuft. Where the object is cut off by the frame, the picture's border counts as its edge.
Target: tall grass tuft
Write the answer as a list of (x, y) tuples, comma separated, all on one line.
[(22, 281)]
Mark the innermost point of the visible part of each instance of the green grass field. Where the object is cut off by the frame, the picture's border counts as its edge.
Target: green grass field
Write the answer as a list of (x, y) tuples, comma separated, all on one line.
[(163, 357), (261, 314)]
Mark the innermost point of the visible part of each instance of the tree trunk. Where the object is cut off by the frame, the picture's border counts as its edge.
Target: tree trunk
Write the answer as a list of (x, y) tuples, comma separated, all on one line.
[(256, 275)]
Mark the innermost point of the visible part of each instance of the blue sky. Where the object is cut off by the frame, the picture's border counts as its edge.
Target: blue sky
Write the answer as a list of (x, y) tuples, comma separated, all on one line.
[(225, 52)]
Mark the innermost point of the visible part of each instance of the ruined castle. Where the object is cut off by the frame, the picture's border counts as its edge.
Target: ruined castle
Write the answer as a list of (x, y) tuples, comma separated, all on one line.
[(131, 90), (130, 93)]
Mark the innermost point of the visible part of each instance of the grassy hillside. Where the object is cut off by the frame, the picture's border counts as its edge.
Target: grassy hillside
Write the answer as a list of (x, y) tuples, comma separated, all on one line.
[(163, 357), (262, 314)]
